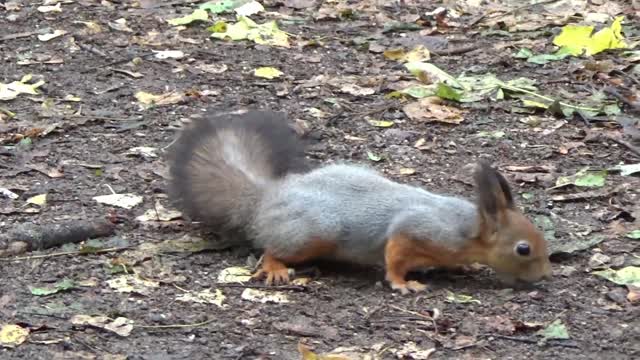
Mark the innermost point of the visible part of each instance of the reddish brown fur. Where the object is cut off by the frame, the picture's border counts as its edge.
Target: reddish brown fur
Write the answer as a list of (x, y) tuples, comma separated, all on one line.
[(274, 269)]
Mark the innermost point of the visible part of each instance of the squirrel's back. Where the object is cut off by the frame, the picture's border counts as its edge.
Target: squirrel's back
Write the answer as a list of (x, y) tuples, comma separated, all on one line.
[(221, 165)]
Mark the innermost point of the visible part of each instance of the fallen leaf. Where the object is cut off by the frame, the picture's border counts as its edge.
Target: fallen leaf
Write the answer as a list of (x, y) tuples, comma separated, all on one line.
[(555, 330), (234, 274), (381, 123), (583, 178), (307, 354), (356, 90), (12, 90), (144, 151), (267, 72), (629, 275), (204, 297), (126, 201), (430, 109), (445, 91), (159, 213), (410, 350), (120, 25), (430, 74), (249, 8), (149, 99), (635, 234), (626, 170), (373, 157), (263, 297), (460, 299), (50, 36), (39, 200), (196, 15), (418, 54), (246, 29), (168, 54), (63, 285), (120, 325), (13, 335), (132, 284), (578, 39), (50, 8)]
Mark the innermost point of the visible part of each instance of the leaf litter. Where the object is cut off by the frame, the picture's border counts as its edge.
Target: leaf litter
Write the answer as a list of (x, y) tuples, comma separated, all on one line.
[(499, 132)]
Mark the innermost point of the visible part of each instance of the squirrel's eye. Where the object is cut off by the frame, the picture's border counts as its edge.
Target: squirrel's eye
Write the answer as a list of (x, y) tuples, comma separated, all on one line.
[(523, 249)]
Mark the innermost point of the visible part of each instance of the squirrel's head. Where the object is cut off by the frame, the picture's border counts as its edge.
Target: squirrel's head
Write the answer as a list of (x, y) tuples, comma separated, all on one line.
[(515, 248)]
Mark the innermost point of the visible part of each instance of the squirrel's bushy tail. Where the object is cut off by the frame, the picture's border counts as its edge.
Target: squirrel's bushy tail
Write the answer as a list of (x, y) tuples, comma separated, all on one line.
[(220, 166)]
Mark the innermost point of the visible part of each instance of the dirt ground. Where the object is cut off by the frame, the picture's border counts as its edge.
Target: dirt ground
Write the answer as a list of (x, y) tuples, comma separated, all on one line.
[(83, 152)]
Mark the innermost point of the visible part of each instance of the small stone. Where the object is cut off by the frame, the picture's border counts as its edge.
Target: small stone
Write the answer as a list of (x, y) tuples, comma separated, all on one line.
[(618, 295), (598, 261), (567, 271)]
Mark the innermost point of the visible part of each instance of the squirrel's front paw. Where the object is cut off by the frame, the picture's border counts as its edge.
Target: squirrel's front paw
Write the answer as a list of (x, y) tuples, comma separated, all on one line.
[(272, 276), (408, 286)]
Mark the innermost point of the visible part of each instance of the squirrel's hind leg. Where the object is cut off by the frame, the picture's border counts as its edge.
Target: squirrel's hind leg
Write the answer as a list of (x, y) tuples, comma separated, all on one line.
[(403, 255), (274, 269)]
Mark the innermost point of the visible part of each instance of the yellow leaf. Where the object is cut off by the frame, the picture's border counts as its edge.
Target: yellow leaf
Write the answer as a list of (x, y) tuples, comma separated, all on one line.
[(13, 335), (576, 39), (607, 38), (267, 72), (419, 53), (39, 200), (573, 38), (381, 123), (394, 54)]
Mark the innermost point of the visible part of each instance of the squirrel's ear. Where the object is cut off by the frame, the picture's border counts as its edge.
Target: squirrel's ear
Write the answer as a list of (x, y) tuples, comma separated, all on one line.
[(493, 192)]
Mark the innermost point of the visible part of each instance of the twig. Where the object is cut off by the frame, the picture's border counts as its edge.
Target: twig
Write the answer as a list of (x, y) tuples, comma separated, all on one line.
[(634, 149), (456, 51), (79, 252), (19, 35), (266, 287), (532, 341)]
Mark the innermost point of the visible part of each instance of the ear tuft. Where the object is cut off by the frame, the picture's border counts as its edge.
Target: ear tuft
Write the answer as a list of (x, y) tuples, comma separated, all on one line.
[(493, 191)]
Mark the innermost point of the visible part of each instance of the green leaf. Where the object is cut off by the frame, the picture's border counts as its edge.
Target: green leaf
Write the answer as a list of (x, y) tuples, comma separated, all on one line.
[(592, 179), (584, 178), (196, 15), (63, 285), (555, 330), (421, 69), (447, 92), (635, 234), (523, 53), (420, 91), (373, 156), (629, 275)]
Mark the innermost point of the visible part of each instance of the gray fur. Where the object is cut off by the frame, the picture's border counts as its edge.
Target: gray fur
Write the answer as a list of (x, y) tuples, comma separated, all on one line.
[(246, 174), (358, 209), (221, 165)]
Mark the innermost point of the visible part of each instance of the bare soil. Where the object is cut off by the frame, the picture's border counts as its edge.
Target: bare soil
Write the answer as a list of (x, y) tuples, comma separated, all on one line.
[(342, 306)]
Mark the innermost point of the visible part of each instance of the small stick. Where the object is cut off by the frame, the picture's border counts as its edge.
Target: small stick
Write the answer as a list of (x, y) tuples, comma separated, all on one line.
[(44, 256), (266, 287)]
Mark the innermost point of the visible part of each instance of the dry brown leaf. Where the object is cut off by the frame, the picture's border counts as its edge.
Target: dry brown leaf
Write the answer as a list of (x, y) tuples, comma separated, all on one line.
[(431, 109)]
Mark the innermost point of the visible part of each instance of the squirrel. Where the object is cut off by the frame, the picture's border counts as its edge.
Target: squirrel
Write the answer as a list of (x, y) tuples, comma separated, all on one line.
[(246, 173)]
